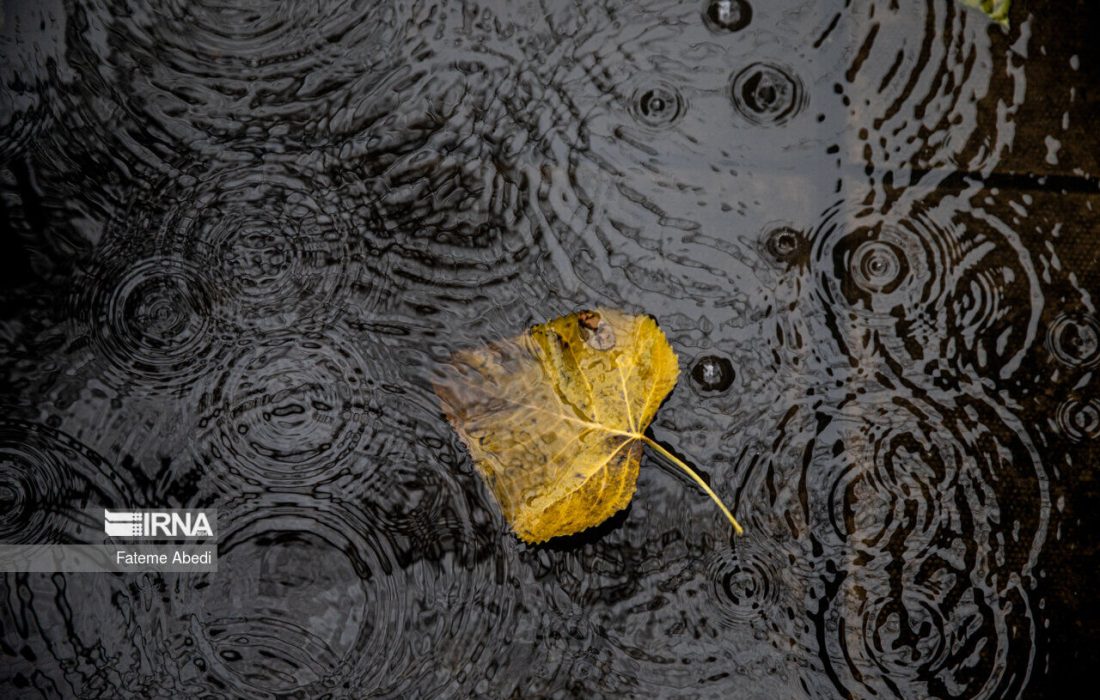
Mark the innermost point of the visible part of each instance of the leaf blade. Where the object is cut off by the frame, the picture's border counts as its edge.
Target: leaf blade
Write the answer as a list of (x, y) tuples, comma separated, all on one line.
[(555, 418)]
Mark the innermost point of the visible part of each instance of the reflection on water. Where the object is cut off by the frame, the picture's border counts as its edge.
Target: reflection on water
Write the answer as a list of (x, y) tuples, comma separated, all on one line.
[(239, 235)]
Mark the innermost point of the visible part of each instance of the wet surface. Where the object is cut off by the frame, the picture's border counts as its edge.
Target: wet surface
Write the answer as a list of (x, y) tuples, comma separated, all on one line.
[(238, 237)]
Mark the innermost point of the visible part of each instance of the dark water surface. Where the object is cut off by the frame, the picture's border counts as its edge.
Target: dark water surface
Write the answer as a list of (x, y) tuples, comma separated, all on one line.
[(237, 237)]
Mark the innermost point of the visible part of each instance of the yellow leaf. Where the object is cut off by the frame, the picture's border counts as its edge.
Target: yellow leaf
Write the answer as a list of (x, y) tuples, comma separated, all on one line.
[(996, 9), (555, 419)]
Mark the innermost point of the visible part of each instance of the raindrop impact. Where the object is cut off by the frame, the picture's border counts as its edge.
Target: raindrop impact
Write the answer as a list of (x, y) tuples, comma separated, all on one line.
[(785, 245), (877, 266), (1079, 419), (764, 94), (658, 105), (1074, 340)]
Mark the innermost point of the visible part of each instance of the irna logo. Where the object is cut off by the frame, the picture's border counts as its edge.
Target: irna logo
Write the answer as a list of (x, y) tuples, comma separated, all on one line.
[(175, 524)]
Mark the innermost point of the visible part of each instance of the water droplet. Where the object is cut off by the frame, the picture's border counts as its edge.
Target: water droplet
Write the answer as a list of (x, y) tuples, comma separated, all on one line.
[(596, 331), (658, 104), (764, 93), (1074, 340), (727, 15), (712, 374)]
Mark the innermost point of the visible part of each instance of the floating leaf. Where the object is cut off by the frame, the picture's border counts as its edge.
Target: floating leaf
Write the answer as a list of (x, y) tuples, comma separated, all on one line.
[(555, 418), (996, 9)]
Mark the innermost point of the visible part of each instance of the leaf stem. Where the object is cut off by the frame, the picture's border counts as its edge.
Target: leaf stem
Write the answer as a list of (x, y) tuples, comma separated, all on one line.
[(698, 479)]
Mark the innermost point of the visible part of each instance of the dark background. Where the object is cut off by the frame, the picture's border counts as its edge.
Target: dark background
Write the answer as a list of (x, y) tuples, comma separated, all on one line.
[(238, 237)]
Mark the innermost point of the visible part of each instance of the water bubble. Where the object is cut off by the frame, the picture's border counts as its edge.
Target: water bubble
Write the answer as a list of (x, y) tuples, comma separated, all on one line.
[(712, 374), (658, 105), (727, 15), (764, 93), (1074, 340), (1079, 419), (785, 244)]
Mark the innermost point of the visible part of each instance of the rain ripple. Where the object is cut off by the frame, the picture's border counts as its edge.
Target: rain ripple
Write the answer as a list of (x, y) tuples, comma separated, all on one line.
[(320, 595), (270, 233), (922, 520), (940, 285), (50, 486), (148, 319), (194, 71), (290, 407)]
